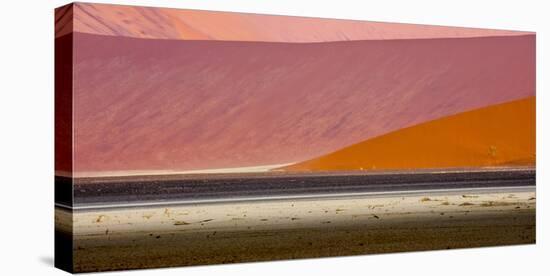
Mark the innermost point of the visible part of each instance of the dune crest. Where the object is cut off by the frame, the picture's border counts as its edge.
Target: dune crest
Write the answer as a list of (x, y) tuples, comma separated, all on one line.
[(184, 24), (501, 134)]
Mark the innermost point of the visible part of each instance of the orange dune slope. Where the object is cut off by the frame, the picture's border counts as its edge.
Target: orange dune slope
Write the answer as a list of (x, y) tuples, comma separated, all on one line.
[(184, 24), (496, 135)]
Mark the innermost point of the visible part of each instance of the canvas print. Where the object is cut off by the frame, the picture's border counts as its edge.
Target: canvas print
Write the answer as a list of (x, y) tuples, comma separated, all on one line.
[(192, 137)]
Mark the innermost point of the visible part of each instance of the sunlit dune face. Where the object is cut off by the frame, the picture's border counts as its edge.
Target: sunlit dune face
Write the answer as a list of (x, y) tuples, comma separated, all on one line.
[(502, 134), (164, 23)]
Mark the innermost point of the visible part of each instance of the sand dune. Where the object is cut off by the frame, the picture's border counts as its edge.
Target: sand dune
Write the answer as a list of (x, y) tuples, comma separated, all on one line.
[(165, 23), (496, 135), (143, 104)]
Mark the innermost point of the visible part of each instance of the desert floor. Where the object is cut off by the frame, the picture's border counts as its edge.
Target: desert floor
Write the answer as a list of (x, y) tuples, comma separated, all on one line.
[(194, 234)]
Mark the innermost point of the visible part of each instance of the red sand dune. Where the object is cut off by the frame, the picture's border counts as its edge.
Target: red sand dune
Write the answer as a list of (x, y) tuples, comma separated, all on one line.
[(145, 104), (497, 135), (165, 23)]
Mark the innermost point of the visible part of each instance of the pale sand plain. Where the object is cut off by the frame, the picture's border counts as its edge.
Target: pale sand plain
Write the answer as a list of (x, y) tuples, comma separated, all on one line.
[(113, 239), (249, 169)]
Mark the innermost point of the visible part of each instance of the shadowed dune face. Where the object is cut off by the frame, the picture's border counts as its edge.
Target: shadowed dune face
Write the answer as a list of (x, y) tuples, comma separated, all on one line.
[(164, 23), (497, 135), (145, 104)]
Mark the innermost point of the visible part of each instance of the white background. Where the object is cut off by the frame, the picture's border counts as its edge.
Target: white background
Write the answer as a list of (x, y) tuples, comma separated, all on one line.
[(26, 137)]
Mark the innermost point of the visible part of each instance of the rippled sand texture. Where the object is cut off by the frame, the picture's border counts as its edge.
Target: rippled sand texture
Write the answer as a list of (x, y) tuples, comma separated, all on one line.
[(254, 231)]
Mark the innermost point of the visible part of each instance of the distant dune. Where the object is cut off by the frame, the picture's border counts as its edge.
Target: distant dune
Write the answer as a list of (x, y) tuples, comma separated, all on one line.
[(502, 134), (165, 23), (150, 104)]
